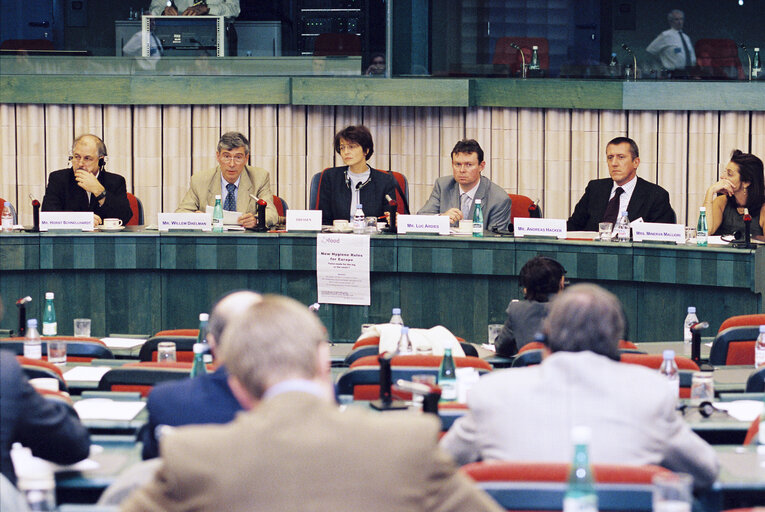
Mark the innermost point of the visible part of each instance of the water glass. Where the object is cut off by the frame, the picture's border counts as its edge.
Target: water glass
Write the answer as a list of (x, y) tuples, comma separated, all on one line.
[(672, 492), (427, 379), (57, 351), (702, 388), (604, 231), (690, 235), (371, 224), (494, 330), (166, 352), (82, 327)]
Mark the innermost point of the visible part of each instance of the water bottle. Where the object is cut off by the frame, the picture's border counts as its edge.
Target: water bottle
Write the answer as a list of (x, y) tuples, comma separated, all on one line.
[(690, 319), (32, 342), (198, 368), (478, 219), (359, 226), (580, 494), (622, 228), (534, 58), (395, 317), (7, 218), (202, 337), (49, 327), (759, 348), (35, 479), (447, 377), (756, 66), (404, 343), (669, 369), (217, 220), (702, 232), (613, 66)]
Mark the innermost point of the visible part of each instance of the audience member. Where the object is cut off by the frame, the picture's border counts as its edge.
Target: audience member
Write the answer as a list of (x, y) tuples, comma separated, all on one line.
[(541, 278), (298, 451), (86, 186), (672, 47), (203, 399), (740, 187), (227, 8), (455, 195), (630, 409), (605, 198), (240, 180), (376, 66)]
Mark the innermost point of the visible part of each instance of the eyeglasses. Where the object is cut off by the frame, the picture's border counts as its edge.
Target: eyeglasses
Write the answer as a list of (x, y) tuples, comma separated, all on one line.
[(236, 158), (87, 159), (349, 147)]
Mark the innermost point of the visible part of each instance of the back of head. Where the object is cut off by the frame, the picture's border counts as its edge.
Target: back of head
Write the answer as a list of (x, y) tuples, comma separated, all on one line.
[(272, 340), (585, 317), (540, 277), (228, 307)]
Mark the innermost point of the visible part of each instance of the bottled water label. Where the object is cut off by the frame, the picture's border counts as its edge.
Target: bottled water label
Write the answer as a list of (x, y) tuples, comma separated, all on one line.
[(33, 350), (50, 329), (759, 357), (448, 390), (581, 504), (674, 386), (671, 506)]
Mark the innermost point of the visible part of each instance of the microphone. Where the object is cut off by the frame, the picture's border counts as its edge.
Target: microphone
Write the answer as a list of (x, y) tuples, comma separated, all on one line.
[(21, 304), (523, 59), (696, 341), (634, 60), (746, 50), (261, 226), (392, 211), (35, 214)]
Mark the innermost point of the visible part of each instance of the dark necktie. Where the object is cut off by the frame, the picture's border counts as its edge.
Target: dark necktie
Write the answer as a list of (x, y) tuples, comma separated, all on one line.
[(686, 50), (612, 210), (230, 203)]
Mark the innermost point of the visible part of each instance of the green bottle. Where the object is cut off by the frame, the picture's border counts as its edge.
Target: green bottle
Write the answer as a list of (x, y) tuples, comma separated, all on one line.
[(202, 337), (49, 324), (447, 377), (217, 220), (580, 495), (198, 368), (702, 233), (478, 219)]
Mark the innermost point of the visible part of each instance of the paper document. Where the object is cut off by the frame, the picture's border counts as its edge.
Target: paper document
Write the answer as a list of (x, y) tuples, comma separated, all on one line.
[(229, 218), (107, 409), (86, 373), (123, 342)]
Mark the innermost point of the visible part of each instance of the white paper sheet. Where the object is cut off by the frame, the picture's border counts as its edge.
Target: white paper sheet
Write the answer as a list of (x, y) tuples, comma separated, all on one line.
[(742, 410), (123, 342), (86, 373), (107, 409), (342, 269)]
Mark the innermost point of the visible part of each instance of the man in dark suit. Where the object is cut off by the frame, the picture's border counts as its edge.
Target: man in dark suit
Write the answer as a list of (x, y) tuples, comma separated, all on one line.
[(87, 186), (204, 399), (603, 199)]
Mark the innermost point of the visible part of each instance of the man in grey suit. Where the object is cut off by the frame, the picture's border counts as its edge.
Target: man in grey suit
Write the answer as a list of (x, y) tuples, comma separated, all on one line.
[(630, 409), (294, 449), (455, 195), (239, 180)]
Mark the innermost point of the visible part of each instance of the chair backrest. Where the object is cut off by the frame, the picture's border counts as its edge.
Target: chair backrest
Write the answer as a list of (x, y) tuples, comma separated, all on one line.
[(653, 361), (372, 340), (27, 44), (78, 349), (13, 210), (753, 320), (519, 206), (403, 185), (137, 207), (313, 196), (756, 381), (719, 57), (506, 55), (528, 358), (141, 377), (343, 43), (37, 368), (281, 206), (734, 345), (359, 352), (752, 433), (179, 332), (184, 348)]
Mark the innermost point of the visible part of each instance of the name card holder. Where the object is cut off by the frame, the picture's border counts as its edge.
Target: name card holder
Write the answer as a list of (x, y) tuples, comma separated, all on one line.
[(303, 220), (423, 224), (69, 221), (527, 226), (184, 221), (658, 232)]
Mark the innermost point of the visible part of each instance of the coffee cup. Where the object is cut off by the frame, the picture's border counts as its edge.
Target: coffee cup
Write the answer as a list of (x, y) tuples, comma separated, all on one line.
[(341, 223), (465, 226), (112, 223)]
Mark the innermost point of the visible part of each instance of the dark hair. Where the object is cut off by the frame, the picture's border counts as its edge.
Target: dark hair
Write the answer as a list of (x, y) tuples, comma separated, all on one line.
[(468, 146), (749, 169), (540, 276), (233, 140), (358, 134), (621, 140)]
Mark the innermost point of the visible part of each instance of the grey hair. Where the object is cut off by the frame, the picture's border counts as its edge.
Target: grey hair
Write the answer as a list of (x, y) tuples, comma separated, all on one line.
[(585, 317), (226, 308), (100, 146), (673, 11), (233, 140)]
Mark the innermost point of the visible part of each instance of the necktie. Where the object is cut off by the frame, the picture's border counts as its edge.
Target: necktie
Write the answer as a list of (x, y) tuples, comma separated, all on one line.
[(686, 50), (612, 209), (230, 203), (465, 204)]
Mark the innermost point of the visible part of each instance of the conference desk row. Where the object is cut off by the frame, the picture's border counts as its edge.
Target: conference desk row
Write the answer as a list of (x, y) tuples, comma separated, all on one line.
[(142, 281)]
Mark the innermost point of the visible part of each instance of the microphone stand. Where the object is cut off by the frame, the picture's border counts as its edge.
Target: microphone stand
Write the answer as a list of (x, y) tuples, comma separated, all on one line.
[(696, 341), (523, 59), (746, 50), (747, 243), (21, 304), (386, 402), (261, 227), (634, 61)]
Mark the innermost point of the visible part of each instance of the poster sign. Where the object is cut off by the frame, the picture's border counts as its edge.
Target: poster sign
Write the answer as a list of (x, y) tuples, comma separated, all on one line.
[(342, 269)]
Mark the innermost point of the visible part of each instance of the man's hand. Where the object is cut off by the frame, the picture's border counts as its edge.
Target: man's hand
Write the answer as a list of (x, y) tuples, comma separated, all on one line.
[(88, 182), (170, 11), (454, 214), (196, 10), (247, 220)]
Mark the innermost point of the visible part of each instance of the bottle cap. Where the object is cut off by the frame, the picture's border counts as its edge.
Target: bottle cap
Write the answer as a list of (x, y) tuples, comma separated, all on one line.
[(8, 204), (535, 47), (762, 328), (199, 348), (757, 49), (613, 54), (358, 205), (32, 322), (702, 209), (404, 330), (48, 295), (217, 196), (691, 309), (396, 311), (204, 317), (669, 354), (581, 434), (477, 201)]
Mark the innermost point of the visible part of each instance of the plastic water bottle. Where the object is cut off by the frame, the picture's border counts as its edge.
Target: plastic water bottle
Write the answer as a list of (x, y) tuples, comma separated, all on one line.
[(359, 226), (702, 233), (404, 343), (202, 337), (395, 317), (534, 58), (49, 326), (35, 479), (198, 368), (759, 348), (478, 218), (32, 342), (690, 319), (580, 495), (622, 228), (7, 217), (447, 377), (669, 369), (217, 220), (756, 65)]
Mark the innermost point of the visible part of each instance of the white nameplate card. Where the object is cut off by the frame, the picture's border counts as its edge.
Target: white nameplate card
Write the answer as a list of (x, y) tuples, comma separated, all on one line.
[(79, 221), (658, 232), (194, 221), (527, 226), (423, 224), (303, 220)]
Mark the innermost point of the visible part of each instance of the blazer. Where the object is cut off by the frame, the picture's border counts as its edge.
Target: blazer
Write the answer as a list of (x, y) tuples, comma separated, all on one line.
[(335, 194), (51, 429), (204, 399), (524, 320), (296, 452), (205, 185), (630, 409), (648, 200), (63, 194), (494, 200)]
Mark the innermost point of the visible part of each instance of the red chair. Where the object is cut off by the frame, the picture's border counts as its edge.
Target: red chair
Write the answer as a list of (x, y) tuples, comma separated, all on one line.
[(653, 361), (137, 207), (184, 348), (281, 206), (506, 55), (718, 58), (343, 43), (37, 368), (523, 206), (753, 432), (142, 377), (82, 350), (402, 191), (372, 340), (179, 332), (753, 320), (734, 345)]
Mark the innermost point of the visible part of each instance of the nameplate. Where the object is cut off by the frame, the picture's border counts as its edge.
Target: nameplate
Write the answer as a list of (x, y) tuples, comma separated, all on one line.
[(73, 221), (303, 220), (658, 232), (527, 226), (423, 224), (187, 221)]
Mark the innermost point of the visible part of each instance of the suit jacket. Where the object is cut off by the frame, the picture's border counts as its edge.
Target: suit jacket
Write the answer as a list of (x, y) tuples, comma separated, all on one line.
[(297, 452), (495, 201), (63, 194), (648, 200), (51, 429), (335, 194), (524, 320), (630, 409), (204, 399), (205, 185)]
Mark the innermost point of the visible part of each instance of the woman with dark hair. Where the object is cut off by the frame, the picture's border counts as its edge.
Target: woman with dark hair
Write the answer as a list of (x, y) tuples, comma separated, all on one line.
[(540, 278), (342, 188), (740, 188)]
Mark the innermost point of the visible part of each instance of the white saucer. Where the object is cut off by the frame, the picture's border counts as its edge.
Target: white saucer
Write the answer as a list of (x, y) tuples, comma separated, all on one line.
[(104, 228)]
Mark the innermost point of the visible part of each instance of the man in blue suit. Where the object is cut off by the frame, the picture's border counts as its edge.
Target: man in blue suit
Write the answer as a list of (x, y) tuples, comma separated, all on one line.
[(204, 399)]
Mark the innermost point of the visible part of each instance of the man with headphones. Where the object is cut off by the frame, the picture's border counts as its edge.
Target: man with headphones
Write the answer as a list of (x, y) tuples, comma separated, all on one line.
[(86, 186)]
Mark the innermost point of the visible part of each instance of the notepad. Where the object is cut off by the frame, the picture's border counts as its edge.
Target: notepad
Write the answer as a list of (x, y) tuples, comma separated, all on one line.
[(107, 409), (86, 373)]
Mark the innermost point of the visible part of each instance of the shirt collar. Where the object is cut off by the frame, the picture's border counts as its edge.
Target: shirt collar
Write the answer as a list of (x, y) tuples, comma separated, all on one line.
[(223, 182), (292, 385), (472, 191), (627, 187)]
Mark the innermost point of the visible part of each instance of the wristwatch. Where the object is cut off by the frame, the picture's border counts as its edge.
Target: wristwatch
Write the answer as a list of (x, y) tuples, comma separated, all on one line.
[(101, 195)]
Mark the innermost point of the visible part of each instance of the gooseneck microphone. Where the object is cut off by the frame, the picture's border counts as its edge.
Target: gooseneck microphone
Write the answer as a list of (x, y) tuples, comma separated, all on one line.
[(634, 60), (746, 50), (523, 59), (392, 208)]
